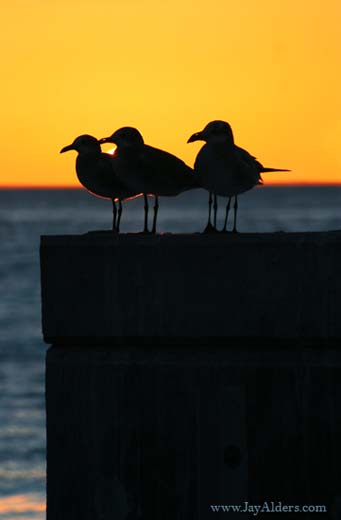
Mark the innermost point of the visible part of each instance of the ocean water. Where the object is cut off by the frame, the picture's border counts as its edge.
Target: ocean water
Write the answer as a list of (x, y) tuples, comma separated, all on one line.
[(27, 214)]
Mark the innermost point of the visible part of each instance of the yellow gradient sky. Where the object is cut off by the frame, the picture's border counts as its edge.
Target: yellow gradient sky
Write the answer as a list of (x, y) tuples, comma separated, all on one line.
[(269, 67)]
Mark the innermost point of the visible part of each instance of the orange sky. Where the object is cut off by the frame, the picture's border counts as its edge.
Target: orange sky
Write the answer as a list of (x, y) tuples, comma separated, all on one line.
[(269, 67)]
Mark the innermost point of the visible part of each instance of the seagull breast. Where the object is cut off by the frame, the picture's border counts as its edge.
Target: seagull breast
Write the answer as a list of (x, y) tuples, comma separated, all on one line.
[(97, 174)]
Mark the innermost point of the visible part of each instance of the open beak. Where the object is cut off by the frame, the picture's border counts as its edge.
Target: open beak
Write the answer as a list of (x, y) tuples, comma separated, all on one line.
[(67, 148), (195, 137)]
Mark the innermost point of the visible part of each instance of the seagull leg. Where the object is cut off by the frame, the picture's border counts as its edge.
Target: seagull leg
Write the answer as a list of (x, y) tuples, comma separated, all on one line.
[(209, 227), (235, 207), (145, 213), (224, 230), (215, 209), (156, 209), (114, 212), (119, 215), (210, 200)]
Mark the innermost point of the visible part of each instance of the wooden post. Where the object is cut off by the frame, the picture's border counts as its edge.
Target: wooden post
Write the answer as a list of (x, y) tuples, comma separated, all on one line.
[(190, 371)]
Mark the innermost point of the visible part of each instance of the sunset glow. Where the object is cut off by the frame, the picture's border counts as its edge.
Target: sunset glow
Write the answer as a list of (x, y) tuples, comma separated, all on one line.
[(19, 504), (270, 68)]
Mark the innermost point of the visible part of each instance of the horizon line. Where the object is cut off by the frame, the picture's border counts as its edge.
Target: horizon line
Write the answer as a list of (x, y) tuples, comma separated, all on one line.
[(74, 187)]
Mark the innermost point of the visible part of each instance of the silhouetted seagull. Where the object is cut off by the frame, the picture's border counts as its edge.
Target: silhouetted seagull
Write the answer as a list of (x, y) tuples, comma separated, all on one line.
[(149, 170), (225, 169), (96, 172)]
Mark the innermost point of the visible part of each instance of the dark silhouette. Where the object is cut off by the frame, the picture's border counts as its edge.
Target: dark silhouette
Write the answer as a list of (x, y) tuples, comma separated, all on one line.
[(96, 172), (225, 169), (192, 373), (148, 170)]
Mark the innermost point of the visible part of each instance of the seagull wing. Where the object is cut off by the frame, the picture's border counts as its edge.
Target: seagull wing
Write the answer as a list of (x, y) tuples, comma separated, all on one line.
[(165, 173), (249, 159), (252, 161), (249, 162)]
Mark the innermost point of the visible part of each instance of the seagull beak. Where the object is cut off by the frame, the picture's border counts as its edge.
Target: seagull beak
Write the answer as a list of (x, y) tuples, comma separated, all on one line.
[(104, 140), (67, 148), (195, 137)]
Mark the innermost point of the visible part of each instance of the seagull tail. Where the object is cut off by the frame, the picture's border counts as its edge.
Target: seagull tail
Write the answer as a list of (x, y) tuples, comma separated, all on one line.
[(274, 170)]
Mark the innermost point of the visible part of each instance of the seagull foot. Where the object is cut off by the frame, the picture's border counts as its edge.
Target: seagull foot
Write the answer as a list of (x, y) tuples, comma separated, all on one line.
[(209, 229)]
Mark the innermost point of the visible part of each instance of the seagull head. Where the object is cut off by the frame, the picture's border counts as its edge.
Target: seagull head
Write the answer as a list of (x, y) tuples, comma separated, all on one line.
[(126, 137), (83, 144), (214, 132)]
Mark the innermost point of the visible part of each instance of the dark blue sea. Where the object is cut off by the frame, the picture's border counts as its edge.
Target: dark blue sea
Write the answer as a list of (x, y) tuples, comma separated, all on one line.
[(27, 214)]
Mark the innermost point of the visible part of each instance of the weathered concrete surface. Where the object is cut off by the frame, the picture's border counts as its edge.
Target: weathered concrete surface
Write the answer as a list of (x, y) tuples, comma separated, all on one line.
[(97, 287), (165, 433)]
